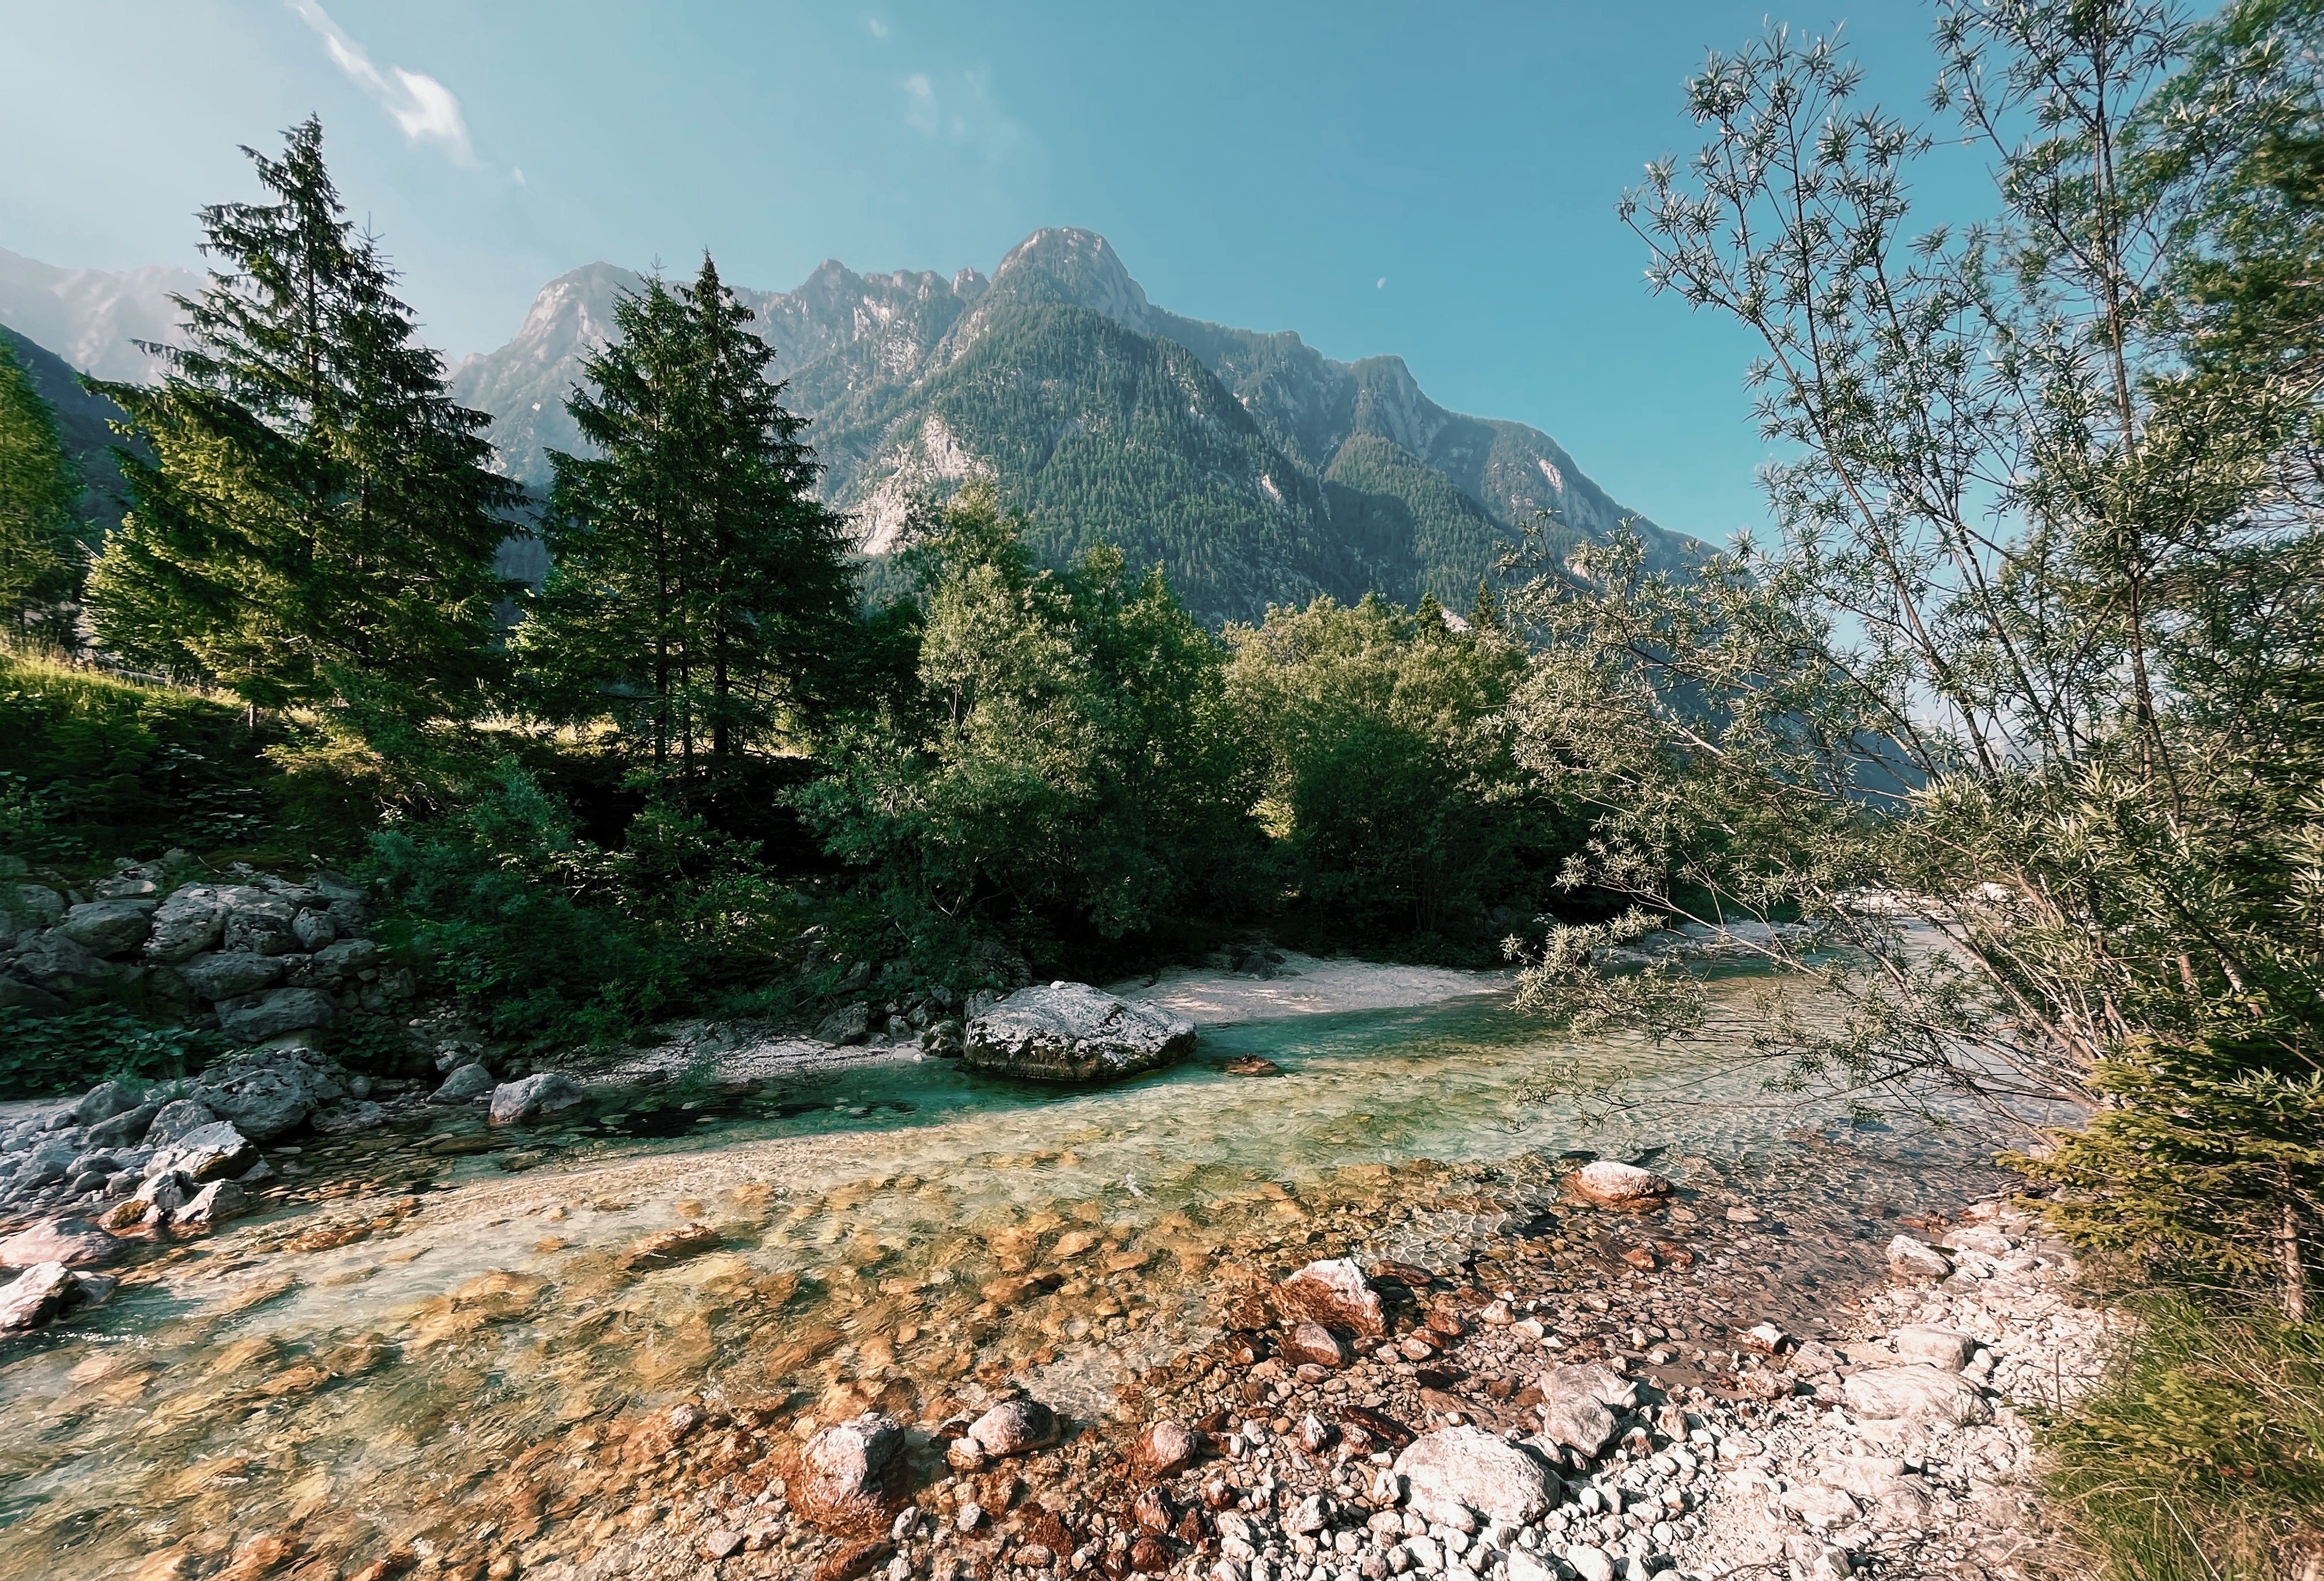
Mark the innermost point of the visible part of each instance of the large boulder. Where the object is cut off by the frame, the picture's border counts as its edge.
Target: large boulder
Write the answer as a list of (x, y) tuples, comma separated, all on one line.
[(1948, 1348), (850, 1023), (216, 1151), (1071, 1031), (73, 1243), (127, 1129), (108, 928), (345, 958), (285, 1010), (844, 1472), (213, 1204), (56, 961), (259, 923), (34, 904), (1457, 1469), (1015, 1427), (1580, 1403), (103, 1102), (187, 924), (1915, 1393), (222, 975), (1916, 1261), (171, 1121), (47, 1292), (515, 1101), (465, 1084), (266, 1092)]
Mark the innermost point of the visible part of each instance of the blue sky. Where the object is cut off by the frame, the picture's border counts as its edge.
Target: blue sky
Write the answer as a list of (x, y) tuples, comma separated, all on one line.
[(1438, 182)]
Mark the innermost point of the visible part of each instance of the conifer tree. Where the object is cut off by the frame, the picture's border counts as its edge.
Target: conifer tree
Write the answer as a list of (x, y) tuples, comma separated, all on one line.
[(699, 592), (40, 554), (318, 521)]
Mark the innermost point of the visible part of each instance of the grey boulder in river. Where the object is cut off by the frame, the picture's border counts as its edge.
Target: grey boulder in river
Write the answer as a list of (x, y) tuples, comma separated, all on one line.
[(1071, 1031)]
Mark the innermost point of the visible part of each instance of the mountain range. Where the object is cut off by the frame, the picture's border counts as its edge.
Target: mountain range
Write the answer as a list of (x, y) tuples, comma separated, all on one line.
[(1255, 468)]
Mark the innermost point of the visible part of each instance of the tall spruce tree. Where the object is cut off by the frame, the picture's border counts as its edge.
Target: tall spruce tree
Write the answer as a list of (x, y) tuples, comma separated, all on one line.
[(699, 592), (318, 521), (40, 552)]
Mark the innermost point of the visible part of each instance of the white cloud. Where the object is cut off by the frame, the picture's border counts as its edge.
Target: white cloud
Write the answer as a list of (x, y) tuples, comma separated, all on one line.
[(920, 110), (966, 115), (878, 29), (423, 108), (1381, 283)]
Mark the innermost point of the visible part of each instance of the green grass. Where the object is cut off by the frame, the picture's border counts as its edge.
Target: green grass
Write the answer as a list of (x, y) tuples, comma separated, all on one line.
[(2200, 1457), (99, 767)]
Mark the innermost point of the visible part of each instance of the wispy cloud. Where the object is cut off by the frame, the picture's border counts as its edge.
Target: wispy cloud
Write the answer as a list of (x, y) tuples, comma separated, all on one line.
[(422, 107), (965, 113), (879, 28), (920, 104)]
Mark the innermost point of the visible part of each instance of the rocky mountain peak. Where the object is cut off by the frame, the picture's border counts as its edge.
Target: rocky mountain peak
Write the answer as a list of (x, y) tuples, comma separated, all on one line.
[(1067, 266)]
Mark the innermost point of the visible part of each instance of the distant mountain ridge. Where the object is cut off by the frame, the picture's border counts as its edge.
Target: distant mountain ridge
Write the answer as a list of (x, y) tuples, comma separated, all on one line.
[(93, 318), (1255, 469)]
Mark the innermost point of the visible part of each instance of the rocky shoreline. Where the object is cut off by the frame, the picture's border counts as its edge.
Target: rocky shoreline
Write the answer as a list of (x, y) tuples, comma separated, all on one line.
[(1709, 1347)]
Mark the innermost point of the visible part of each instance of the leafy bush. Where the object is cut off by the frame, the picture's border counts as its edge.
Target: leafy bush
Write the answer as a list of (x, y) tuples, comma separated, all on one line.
[(1396, 807), (43, 1056), (1062, 766), (552, 938)]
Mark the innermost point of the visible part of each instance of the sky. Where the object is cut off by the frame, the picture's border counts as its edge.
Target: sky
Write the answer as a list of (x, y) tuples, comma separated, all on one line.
[(1437, 182)]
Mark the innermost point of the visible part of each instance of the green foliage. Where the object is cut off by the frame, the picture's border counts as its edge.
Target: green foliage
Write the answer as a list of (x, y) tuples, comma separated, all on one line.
[(2022, 670), (40, 550), (316, 521), (698, 594), (2199, 1455), (42, 1055), (2204, 1161), (99, 767), (552, 940), (1386, 776), (1063, 763)]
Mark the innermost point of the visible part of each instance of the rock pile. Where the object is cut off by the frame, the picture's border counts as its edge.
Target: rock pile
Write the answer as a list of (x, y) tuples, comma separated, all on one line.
[(262, 955)]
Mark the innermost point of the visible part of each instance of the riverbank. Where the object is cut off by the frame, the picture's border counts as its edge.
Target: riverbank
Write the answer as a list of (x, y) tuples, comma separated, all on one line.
[(461, 1345), (1298, 984)]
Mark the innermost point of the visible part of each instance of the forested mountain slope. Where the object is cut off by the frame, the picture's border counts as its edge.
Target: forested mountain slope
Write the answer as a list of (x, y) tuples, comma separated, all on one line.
[(1255, 469)]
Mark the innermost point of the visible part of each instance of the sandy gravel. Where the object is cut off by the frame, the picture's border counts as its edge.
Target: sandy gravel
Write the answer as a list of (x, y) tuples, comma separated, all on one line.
[(1304, 985)]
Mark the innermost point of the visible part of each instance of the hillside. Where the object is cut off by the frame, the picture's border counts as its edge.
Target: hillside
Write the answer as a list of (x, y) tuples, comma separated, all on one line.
[(1258, 470), (81, 420)]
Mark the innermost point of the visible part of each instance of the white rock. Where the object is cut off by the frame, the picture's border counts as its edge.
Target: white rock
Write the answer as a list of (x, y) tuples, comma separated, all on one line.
[(1458, 1469), (1917, 1392), (1591, 1564), (1071, 1031), (1948, 1348)]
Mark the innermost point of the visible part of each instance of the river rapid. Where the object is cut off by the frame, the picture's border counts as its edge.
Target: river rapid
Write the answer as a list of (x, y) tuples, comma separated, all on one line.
[(430, 1351)]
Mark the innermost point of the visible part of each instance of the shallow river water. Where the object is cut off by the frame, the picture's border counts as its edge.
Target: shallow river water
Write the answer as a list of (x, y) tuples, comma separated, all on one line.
[(381, 1365)]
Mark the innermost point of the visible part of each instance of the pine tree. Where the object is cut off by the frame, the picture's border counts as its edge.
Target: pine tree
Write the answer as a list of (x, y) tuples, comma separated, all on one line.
[(318, 523), (39, 553), (699, 592)]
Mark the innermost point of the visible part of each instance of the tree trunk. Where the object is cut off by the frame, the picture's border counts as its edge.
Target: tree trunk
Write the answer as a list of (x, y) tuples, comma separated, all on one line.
[(2291, 1266)]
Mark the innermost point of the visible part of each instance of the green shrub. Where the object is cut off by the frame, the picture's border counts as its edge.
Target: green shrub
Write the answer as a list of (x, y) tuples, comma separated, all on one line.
[(44, 1055), (552, 938)]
